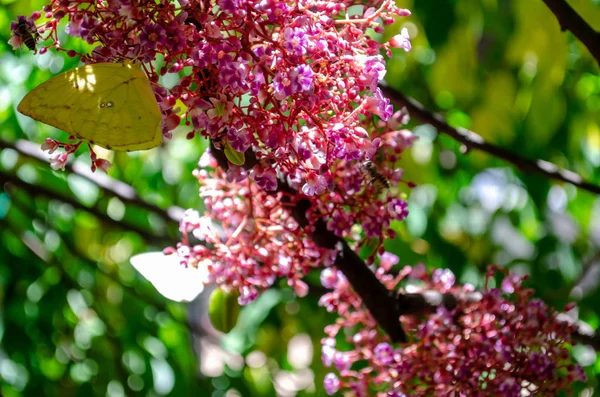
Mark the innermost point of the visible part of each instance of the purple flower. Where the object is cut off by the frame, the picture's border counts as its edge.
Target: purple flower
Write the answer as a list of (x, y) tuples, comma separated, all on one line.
[(302, 78), (328, 351), (510, 388), (373, 71), (273, 9), (509, 283), (315, 184), (303, 152), (14, 26), (80, 26), (445, 277), (342, 361), (384, 353), (240, 140), (152, 35), (282, 86), (210, 115), (229, 6), (295, 40), (177, 39), (330, 277), (380, 105), (372, 226), (266, 179), (321, 45), (234, 75), (331, 383), (579, 374), (542, 366), (299, 79), (339, 222), (257, 81), (401, 40), (203, 54), (235, 173), (397, 209)]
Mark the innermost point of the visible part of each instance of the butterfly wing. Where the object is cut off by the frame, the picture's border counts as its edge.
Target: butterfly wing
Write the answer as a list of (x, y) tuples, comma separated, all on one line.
[(108, 104), (169, 277)]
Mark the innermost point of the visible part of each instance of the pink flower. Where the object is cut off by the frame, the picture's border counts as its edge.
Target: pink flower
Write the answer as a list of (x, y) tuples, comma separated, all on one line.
[(455, 349), (387, 260), (379, 105), (295, 40), (330, 277), (103, 164), (50, 145), (222, 109), (397, 209), (59, 161), (266, 179), (315, 184), (152, 36), (331, 383), (15, 42), (401, 40)]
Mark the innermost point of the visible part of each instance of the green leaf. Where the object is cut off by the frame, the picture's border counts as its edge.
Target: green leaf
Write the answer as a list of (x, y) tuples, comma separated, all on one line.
[(234, 156)]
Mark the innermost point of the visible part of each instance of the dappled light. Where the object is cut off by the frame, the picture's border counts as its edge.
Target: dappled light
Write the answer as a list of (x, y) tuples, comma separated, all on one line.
[(273, 198)]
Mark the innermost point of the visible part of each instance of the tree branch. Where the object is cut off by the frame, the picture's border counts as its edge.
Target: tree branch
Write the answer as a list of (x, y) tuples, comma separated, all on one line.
[(36, 190), (570, 20), (471, 140), (112, 187)]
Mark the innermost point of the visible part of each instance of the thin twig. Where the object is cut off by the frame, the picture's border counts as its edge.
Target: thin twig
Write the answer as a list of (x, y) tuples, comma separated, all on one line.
[(110, 186), (570, 20), (472, 140), (36, 190)]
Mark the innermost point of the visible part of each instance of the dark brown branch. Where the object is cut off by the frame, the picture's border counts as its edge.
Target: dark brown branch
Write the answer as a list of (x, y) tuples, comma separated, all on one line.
[(471, 140), (110, 186), (570, 20), (380, 302), (428, 301), (36, 190)]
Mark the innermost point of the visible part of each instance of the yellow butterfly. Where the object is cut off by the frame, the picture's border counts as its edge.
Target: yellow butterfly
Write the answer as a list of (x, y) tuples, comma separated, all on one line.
[(108, 104)]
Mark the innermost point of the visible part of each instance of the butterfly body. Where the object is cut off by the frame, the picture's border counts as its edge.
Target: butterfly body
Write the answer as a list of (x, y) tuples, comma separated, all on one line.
[(108, 104)]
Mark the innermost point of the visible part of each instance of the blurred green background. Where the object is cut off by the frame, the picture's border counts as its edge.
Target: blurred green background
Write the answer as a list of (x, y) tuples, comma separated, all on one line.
[(76, 318)]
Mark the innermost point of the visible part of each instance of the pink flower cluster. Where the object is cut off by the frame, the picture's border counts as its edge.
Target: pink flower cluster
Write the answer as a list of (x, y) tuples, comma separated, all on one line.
[(295, 81), (503, 344), (249, 240)]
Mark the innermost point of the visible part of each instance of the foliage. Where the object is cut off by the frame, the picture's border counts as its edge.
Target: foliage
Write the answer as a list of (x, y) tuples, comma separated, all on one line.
[(74, 314)]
